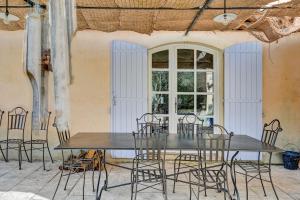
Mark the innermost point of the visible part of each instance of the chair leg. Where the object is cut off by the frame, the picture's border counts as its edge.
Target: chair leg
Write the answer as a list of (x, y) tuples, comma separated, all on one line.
[(93, 176), (273, 185), (20, 156), (235, 187), (132, 184), (3, 154), (136, 185), (61, 174), (83, 184), (204, 178), (49, 152), (174, 170), (6, 151), (67, 179), (26, 153), (246, 179), (165, 185), (44, 157), (176, 173), (31, 152), (262, 184)]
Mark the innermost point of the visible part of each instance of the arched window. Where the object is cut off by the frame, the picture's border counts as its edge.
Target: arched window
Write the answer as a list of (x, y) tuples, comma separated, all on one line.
[(184, 79)]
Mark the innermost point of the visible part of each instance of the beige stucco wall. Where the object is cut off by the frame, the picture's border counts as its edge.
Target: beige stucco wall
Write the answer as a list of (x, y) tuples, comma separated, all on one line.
[(90, 92)]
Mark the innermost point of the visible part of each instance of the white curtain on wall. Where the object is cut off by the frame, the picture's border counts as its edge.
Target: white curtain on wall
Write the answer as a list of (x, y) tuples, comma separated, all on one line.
[(129, 88), (243, 91)]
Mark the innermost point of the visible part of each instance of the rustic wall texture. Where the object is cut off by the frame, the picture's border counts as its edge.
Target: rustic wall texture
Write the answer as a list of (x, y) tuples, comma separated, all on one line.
[(90, 92)]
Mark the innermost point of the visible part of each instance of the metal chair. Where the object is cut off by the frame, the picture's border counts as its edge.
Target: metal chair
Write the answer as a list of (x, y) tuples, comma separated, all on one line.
[(148, 169), (188, 126), (44, 126), (148, 119), (73, 164), (211, 170), (15, 132), (255, 169), (1, 115)]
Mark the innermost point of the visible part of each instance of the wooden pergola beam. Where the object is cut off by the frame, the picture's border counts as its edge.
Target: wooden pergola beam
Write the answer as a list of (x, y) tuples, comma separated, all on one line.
[(198, 14)]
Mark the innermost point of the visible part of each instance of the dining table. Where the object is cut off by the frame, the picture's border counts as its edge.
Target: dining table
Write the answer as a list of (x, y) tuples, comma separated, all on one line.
[(105, 141)]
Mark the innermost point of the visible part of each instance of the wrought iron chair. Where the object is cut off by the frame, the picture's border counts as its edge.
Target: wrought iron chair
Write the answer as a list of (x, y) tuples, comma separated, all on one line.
[(255, 169), (188, 126), (44, 126), (148, 119), (212, 168), (73, 164), (1, 115), (15, 132), (148, 168)]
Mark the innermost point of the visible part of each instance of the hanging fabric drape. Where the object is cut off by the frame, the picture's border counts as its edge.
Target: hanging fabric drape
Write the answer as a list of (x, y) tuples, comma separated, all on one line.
[(269, 29), (62, 29), (32, 62), (46, 65)]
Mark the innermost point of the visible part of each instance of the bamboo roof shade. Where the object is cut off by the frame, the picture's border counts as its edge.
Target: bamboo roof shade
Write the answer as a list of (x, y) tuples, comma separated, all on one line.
[(146, 16)]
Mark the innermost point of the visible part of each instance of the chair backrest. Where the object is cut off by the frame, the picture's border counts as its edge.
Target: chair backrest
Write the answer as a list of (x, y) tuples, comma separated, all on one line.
[(270, 132), (213, 148), (1, 116), (45, 122), (149, 146), (63, 135), (189, 124), (17, 119), (215, 129), (148, 119)]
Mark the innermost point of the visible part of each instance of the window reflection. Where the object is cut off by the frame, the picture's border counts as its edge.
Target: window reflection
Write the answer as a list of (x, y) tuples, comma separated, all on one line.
[(160, 60)]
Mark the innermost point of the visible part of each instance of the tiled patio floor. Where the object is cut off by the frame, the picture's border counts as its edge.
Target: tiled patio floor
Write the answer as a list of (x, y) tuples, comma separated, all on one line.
[(33, 183)]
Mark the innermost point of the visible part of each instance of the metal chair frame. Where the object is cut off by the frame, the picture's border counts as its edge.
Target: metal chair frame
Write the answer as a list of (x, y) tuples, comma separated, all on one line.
[(1, 116), (16, 121), (211, 171), (188, 126), (148, 166), (44, 129), (148, 119), (255, 169), (73, 165)]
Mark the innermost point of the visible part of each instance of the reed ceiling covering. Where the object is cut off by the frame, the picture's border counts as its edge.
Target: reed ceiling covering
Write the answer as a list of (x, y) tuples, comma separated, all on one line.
[(146, 16)]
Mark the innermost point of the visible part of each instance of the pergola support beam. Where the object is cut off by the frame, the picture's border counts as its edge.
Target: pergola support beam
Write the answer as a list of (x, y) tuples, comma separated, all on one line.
[(198, 14)]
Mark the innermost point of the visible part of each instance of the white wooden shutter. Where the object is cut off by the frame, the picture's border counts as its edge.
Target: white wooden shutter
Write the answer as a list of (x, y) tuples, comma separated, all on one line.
[(243, 91), (129, 88)]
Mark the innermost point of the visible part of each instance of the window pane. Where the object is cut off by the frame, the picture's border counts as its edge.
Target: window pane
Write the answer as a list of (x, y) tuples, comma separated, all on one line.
[(205, 82), (160, 60), (164, 122), (185, 104), (204, 60), (185, 59), (205, 105), (160, 81), (208, 121), (160, 104), (185, 81)]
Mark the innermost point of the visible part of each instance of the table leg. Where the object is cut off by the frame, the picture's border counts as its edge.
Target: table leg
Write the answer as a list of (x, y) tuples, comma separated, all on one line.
[(233, 178), (99, 177), (104, 187)]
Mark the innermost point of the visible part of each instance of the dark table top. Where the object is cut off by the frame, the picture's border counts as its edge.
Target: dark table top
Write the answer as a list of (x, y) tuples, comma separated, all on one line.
[(125, 141)]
